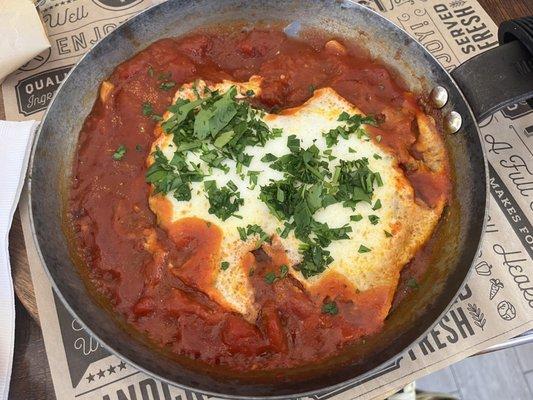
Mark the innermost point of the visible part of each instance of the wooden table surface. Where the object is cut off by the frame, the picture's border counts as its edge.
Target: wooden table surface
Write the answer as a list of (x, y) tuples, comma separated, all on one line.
[(31, 377)]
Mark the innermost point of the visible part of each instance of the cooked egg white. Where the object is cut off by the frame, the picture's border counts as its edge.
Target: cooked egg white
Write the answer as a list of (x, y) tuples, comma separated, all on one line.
[(409, 223)]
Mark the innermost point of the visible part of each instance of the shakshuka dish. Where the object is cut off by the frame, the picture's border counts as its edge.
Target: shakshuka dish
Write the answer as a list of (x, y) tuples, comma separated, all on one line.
[(255, 201)]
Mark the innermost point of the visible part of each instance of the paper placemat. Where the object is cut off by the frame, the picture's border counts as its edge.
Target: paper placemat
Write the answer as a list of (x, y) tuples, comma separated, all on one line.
[(494, 305)]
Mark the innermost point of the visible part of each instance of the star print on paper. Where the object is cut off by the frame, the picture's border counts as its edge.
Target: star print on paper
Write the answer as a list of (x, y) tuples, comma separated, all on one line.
[(111, 369), (122, 365), (90, 378), (101, 374)]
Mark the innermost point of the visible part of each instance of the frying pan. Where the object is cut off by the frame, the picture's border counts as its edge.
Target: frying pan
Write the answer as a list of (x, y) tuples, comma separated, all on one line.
[(494, 79)]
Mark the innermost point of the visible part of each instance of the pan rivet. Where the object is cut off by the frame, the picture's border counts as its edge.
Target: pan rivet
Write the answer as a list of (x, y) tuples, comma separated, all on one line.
[(453, 122), (439, 96)]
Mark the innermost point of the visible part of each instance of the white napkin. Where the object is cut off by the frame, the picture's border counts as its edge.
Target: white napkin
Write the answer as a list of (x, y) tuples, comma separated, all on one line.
[(22, 34), (15, 147)]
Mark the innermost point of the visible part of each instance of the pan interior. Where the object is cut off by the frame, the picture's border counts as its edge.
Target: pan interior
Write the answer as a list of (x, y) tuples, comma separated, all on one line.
[(457, 236)]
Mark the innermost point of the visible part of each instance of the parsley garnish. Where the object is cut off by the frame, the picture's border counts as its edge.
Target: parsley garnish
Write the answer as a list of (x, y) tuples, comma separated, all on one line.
[(172, 175), (217, 127), (147, 109), (364, 249), (253, 176), (374, 219), (352, 125), (356, 182), (315, 261), (253, 230), (119, 152), (224, 265), (330, 308), (309, 186), (271, 277), (224, 202), (388, 234)]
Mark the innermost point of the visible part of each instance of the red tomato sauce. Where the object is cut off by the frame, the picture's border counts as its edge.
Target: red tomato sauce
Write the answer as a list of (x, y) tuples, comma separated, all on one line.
[(158, 281)]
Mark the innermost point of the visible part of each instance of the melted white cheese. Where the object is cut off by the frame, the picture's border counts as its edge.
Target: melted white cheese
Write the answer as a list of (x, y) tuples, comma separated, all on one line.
[(308, 122)]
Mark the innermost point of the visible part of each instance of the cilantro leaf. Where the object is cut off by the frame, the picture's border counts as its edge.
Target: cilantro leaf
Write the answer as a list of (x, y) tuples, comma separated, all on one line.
[(330, 308), (364, 249), (147, 109), (315, 260), (374, 219), (270, 278), (353, 124), (211, 120), (224, 202), (119, 152)]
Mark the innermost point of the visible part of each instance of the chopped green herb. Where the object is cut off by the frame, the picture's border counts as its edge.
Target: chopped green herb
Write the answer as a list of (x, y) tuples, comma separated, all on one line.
[(138, 147), (147, 109), (252, 230), (315, 261), (374, 219), (356, 217), (378, 138), (253, 176), (172, 175), (388, 234), (224, 265), (330, 307), (223, 139), (377, 156), (353, 124), (269, 157), (270, 278), (242, 233), (224, 202), (356, 182), (211, 120), (250, 93), (218, 126), (377, 205), (119, 152), (364, 249)]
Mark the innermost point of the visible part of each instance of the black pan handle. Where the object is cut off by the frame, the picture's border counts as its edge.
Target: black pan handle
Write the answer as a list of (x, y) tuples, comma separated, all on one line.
[(501, 76)]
